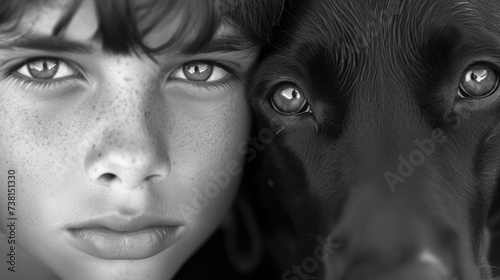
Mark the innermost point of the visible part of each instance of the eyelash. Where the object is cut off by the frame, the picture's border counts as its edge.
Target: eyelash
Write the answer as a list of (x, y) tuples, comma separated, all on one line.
[(38, 84)]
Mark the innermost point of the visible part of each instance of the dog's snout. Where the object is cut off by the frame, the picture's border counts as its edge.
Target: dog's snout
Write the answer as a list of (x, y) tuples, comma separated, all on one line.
[(396, 241), (426, 267)]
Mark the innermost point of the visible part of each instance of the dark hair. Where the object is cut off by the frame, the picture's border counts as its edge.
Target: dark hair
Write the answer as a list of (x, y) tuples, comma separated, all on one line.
[(124, 23)]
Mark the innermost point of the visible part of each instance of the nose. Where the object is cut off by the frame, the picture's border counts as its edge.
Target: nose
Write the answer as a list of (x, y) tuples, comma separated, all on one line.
[(129, 149), (393, 241), (128, 166), (427, 267)]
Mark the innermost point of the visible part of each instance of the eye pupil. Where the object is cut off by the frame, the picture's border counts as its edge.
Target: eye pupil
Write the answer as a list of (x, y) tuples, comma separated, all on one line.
[(197, 68), (197, 71), (288, 100), (479, 81), (45, 68), (290, 93)]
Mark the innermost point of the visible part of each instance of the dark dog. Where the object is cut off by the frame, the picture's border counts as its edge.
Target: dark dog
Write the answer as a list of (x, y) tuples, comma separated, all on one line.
[(387, 137)]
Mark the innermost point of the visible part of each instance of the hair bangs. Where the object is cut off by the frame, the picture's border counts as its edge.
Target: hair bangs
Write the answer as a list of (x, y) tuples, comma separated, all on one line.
[(124, 25), (199, 22), (10, 13)]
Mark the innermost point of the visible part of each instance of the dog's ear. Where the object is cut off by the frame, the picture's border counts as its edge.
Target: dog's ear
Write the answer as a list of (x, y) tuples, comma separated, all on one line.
[(279, 234), (492, 244), (243, 238), (254, 230), (278, 230)]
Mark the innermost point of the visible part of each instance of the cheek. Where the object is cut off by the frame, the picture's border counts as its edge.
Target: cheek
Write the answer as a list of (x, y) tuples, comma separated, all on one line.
[(34, 143), (206, 158), (205, 135), (39, 132)]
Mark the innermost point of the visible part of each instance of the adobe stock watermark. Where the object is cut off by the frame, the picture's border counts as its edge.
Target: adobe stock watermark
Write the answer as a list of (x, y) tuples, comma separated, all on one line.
[(321, 253), (219, 179), (222, 178), (426, 147)]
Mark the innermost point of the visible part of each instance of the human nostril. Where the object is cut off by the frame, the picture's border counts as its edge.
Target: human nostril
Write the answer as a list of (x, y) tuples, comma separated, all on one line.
[(106, 179), (126, 168)]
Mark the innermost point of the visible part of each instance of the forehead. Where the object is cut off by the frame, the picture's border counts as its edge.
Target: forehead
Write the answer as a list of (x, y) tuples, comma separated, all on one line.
[(350, 36), (366, 25), (41, 18)]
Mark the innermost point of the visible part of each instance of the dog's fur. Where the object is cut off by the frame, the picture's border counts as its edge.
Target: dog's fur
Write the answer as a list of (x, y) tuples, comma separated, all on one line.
[(380, 76)]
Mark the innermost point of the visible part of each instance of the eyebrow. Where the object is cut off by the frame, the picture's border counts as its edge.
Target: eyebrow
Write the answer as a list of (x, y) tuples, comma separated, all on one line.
[(58, 44)]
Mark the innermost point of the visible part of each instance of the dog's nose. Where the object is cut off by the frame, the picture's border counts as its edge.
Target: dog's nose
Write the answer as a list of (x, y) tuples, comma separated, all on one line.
[(393, 241), (417, 270), (427, 266), (414, 271)]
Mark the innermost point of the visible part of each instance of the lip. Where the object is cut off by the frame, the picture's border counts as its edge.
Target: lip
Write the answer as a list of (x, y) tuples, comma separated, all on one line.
[(116, 237)]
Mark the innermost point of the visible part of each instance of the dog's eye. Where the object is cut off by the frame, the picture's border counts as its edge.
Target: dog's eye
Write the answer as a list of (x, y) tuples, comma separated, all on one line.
[(288, 100), (479, 81)]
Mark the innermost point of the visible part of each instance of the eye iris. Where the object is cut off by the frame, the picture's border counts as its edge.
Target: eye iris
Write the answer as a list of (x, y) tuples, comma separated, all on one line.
[(197, 71), (43, 68), (479, 81), (287, 99)]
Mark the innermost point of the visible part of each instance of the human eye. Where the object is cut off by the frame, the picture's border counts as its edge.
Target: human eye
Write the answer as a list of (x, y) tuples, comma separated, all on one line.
[(46, 68), (43, 71), (201, 71)]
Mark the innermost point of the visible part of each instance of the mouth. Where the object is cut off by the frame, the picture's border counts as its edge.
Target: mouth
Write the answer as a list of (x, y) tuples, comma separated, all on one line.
[(124, 239)]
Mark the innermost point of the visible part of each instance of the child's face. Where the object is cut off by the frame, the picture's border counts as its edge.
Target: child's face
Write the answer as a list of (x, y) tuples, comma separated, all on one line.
[(123, 166)]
